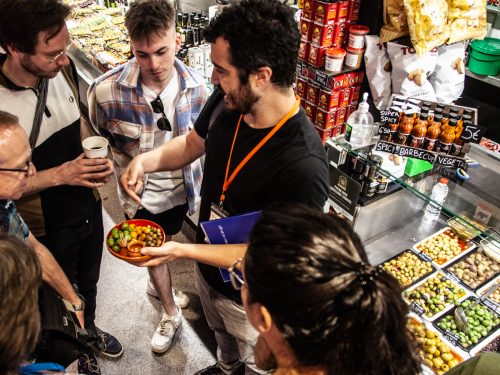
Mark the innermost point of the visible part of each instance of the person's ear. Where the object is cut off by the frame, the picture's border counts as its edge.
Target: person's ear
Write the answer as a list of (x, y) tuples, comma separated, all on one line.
[(261, 317), (177, 42), (263, 75)]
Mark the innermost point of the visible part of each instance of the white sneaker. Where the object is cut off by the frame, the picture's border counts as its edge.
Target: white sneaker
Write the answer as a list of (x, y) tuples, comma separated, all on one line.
[(180, 298), (164, 334)]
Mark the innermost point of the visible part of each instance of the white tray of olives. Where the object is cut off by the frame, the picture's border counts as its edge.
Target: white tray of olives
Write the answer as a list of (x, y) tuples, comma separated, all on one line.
[(443, 247), (434, 296)]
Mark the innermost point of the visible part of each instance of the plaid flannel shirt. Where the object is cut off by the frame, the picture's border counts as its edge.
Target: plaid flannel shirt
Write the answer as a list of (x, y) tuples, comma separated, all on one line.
[(119, 112)]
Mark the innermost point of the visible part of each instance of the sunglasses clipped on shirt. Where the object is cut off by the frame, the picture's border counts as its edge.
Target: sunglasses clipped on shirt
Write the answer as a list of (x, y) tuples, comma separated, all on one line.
[(162, 123)]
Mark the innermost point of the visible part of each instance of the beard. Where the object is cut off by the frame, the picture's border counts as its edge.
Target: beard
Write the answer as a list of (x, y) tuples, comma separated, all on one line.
[(29, 65), (242, 100)]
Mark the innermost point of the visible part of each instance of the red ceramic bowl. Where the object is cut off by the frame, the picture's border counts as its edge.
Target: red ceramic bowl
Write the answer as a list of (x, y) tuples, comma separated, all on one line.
[(123, 252)]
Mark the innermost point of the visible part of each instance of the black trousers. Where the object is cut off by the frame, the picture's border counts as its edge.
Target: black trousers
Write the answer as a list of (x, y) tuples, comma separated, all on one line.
[(78, 250)]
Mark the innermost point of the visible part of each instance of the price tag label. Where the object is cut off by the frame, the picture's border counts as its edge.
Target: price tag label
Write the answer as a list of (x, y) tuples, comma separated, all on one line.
[(388, 116), (452, 277), (417, 308), (426, 257), (492, 305), (452, 337), (384, 130), (473, 133)]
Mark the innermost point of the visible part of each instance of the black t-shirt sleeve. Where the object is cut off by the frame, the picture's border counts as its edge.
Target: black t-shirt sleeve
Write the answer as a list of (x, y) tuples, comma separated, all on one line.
[(202, 123), (306, 182)]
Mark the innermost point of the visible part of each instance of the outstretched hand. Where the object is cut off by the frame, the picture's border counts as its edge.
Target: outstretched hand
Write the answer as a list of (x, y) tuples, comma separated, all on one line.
[(132, 179)]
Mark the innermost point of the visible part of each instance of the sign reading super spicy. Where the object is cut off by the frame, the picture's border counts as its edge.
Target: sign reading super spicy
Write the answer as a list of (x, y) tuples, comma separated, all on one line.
[(417, 153)]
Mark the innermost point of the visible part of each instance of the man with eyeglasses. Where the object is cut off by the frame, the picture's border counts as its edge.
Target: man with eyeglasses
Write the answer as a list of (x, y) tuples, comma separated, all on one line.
[(15, 168), (139, 106), (38, 83)]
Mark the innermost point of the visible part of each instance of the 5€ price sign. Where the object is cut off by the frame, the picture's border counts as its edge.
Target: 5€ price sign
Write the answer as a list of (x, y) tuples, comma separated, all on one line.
[(473, 133)]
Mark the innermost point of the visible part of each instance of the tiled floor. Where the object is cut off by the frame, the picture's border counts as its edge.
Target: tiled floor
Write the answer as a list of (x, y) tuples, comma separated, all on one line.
[(125, 310)]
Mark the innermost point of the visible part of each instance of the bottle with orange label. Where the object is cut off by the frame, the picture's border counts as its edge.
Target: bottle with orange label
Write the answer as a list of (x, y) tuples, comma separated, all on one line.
[(404, 129), (419, 132), (433, 133), (456, 147), (446, 138)]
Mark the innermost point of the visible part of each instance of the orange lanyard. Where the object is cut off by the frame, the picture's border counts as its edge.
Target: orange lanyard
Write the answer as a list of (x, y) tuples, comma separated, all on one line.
[(277, 127)]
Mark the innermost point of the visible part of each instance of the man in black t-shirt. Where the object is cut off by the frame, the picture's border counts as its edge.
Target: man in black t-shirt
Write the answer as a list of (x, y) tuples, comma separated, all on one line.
[(262, 150)]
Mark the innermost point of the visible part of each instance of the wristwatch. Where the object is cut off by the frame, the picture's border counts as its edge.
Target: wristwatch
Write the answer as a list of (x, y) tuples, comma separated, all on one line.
[(72, 307)]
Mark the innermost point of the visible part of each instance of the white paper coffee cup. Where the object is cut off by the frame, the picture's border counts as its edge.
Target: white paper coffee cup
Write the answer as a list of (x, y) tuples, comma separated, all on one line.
[(95, 147)]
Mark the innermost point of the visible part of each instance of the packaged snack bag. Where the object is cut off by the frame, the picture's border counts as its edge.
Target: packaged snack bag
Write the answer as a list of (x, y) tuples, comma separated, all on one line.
[(395, 23), (448, 78), (427, 21), (378, 70), (410, 71), (467, 20)]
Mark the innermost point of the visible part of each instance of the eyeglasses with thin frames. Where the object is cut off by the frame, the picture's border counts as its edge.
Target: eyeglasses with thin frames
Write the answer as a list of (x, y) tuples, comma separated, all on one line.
[(236, 276), (25, 170), (53, 59), (162, 123)]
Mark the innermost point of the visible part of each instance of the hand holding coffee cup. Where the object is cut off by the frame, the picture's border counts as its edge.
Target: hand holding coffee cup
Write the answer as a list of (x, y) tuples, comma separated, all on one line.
[(95, 147)]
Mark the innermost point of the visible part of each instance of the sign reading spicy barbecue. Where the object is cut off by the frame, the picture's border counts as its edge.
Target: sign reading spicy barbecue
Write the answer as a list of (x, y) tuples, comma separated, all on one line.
[(417, 153)]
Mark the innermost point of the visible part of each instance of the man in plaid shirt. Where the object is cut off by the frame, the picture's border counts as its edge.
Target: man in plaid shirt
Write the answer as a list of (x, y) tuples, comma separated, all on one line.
[(139, 106)]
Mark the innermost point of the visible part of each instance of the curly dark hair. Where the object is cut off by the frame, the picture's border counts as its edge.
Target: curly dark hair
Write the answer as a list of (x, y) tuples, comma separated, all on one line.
[(260, 33), (144, 18), (22, 20), (311, 272)]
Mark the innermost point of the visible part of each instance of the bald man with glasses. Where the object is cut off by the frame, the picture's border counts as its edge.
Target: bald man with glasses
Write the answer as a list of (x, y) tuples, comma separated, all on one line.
[(15, 168)]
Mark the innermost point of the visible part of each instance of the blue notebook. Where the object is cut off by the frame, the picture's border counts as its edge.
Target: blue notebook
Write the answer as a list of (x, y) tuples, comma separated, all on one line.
[(230, 230)]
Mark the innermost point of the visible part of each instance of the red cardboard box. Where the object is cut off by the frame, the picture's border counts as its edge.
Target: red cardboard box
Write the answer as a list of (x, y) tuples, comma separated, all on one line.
[(344, 95), (325, 13), (310, 109), (325, 119), (304, 50), (353, 13), (324, 134), (308, 10), (335, 130), (316, 56), (340, 118), (322, 35), (342, 11), (313, 93), (301, 87), (340, 33), (328, 100), (306, 27)]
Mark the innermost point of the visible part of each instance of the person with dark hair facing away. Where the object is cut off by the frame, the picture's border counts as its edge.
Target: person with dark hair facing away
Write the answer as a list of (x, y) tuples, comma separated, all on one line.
[(20, 277), (318, 305), (156, 94), (262, 150), (38, 83)]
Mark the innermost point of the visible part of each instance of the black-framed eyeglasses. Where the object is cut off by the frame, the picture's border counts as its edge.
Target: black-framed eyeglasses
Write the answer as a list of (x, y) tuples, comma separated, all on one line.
[(236, 276), (25, 170), (162, 123)]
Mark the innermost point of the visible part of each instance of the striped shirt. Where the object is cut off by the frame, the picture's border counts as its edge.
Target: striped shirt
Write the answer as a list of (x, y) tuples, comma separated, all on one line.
[(119, 111), (11, 222)]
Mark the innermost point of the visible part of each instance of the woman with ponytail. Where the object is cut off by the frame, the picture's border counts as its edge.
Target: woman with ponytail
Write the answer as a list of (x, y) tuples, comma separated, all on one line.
[(319, 307)]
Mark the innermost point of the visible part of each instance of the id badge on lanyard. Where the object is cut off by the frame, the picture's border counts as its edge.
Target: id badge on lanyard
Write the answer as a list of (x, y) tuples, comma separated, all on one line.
[(217, 212)]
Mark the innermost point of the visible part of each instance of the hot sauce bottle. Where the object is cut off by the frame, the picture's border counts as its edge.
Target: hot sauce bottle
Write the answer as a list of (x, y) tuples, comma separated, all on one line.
[(433, 133), (404, 129), (447, 137), (458, 143), (419, 132)]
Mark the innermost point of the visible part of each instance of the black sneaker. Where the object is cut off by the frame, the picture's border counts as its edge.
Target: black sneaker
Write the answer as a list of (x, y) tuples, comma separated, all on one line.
[(87, 364), (216, 370), (107, 344)]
